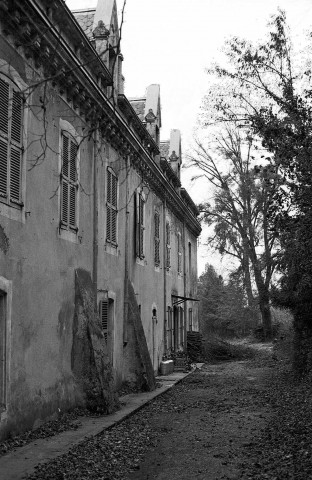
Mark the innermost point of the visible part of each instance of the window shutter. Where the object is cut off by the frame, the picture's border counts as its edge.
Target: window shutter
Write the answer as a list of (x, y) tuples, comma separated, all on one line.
[(64, 207), (16, 125), (65, 156), (4, 107), (69, 183), (3, 168), (73, 161), (168, 247), (157, 238), (141, 208), (114, 208), (137, 224), (111, 207), (104, 317), (10, 142), (15, 174), (72, 206)]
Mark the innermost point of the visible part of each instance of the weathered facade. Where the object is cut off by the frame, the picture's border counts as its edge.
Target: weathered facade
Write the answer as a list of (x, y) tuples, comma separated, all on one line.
[(97, 236)]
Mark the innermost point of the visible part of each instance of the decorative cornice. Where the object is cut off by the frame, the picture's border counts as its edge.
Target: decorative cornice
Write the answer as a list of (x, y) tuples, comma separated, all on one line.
[(189, 201), (131, 116), (166, 167), (67, 65)]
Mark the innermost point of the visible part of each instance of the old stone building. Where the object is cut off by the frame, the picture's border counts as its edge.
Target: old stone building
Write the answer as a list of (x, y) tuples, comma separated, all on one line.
[(97, 236)]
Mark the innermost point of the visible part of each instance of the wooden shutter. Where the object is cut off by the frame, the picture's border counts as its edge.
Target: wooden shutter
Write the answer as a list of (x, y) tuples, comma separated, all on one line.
[(157, 238), (69, 185), (168, 246), (111, 210), (139, 230), (4, 107), (11, 108), (104, 317), (3, 168)]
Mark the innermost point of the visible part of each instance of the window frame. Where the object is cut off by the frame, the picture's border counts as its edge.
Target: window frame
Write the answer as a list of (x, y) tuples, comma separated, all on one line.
[(111, 208), (168, 245), (66, 231), (11, 144), (140, 224), (157, 237)]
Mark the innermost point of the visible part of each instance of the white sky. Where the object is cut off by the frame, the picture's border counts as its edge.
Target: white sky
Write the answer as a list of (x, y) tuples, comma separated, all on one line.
[(171, 42)]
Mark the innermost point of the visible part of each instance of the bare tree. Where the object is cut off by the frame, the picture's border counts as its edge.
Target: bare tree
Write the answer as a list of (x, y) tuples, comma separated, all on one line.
[(242, 197)]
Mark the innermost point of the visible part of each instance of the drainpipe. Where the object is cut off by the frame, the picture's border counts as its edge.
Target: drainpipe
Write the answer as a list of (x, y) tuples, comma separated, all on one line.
[(127, 257), (95, 212)]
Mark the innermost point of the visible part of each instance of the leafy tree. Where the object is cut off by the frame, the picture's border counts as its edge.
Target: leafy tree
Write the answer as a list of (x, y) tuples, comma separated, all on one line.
[(222, 308), (284, 123), (242, 197)]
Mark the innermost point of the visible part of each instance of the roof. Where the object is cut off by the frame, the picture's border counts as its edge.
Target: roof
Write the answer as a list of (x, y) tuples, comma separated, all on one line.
[(164, 149), (138, 105), (85, 18)]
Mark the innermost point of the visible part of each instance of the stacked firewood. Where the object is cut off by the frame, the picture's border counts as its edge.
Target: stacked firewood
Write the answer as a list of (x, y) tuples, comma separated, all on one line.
[(195, 346)]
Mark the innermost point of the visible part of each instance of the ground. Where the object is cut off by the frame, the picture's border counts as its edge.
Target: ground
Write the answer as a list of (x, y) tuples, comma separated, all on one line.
[(243, 420)]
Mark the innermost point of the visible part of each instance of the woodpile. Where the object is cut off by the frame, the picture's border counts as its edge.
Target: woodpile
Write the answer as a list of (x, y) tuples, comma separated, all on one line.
[(195, 347)]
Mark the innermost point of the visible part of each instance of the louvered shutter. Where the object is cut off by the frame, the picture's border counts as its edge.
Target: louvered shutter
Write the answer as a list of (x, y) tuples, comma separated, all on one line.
[(4, 126), (114, 209), (157, 238), (141, 212), (168, 247), (4, 107), (69, 183), (137, 224), (104, 317), (111, 208), (10, 142), (16, 148), (3, 168)]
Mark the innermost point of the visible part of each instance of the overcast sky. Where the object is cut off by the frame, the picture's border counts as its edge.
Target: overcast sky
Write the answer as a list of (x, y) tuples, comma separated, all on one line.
[(171, 42)]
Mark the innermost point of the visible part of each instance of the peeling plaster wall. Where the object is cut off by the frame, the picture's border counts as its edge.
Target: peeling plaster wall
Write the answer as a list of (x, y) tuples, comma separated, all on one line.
[(41, 266)]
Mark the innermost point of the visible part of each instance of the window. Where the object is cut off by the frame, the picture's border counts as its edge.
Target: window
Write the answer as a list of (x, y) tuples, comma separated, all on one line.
[(169, 336), (168, 246), (104, 317), (157, 239), (190, 320), (140, 226), (190, 257), (3, 366), (11, 149), (179, 253), (106, 312), (69, 183), (111, 207)]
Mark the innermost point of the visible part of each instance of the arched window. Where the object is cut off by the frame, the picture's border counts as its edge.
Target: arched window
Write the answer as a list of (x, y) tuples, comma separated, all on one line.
[(11, 147), (111, 207)]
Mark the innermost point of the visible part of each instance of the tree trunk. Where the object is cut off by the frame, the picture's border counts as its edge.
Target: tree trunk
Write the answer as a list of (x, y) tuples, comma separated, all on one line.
[(247, 280), (264, 304)]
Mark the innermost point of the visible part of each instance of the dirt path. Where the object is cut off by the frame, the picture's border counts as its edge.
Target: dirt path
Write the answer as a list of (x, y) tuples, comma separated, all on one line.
[(204, 428)]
